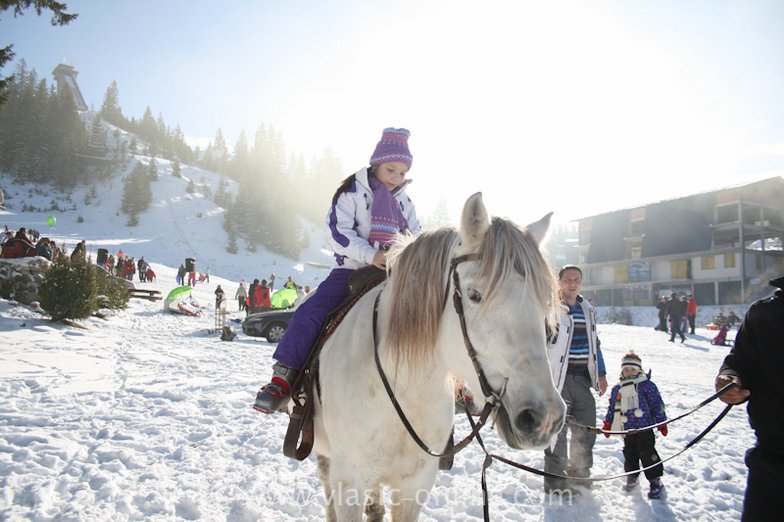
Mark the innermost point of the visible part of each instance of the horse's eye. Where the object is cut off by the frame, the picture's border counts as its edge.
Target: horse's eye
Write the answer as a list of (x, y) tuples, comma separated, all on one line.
[(475, 296)]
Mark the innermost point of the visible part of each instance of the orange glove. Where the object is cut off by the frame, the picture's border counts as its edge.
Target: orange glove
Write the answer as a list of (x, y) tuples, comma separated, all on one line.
[(663, 429), (607, 427)]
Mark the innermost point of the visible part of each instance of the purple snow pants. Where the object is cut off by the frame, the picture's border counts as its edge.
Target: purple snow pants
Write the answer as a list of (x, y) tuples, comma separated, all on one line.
[(294, 348)]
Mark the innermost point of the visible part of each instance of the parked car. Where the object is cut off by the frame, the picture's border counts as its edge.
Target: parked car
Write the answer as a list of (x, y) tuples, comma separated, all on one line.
[(270, 325)]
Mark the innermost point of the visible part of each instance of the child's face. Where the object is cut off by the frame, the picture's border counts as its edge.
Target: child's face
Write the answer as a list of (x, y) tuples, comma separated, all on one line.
[(391, 174), (628, 373)]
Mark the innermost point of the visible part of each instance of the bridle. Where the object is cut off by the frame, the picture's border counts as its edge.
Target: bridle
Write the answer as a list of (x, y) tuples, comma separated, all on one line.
[(492, 398)]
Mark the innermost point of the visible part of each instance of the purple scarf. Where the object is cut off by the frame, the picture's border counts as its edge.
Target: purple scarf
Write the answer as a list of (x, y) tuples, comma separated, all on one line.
[(386, 218)]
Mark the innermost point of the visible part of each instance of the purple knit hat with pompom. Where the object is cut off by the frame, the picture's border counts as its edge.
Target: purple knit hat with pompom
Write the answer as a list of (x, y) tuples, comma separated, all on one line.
[(392, 147)]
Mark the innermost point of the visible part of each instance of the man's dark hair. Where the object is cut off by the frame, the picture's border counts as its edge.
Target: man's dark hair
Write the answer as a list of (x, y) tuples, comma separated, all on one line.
[(569, 267)]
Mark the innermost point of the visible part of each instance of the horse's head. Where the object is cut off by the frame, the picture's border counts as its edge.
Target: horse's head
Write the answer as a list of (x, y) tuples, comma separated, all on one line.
[(508, 295)]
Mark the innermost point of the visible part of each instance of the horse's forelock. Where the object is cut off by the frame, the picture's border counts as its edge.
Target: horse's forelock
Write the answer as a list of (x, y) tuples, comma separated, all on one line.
[(417, 273), (508, 249)]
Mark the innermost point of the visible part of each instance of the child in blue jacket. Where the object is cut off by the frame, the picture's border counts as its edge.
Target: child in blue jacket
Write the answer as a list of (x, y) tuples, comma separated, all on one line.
[(635, 403)]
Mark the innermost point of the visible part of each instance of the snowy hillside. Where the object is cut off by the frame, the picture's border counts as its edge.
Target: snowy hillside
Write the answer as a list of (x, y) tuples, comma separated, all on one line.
[(178, 224)]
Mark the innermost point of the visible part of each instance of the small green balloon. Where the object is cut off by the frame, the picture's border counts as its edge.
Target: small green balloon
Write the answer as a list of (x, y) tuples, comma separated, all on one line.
[(51, 221)]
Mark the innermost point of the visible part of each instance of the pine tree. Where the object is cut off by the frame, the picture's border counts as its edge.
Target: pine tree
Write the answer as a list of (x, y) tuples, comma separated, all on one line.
[(148, 128), (441, 214), (110, 109), (239, 165), (96, 144), (69, 290), (65, 141), (232, 246), (222, 197), (152, 169), (137, 194), (176, 170), (220, 152)]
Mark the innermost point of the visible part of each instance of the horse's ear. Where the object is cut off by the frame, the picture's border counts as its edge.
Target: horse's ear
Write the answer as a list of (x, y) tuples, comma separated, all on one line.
[(538, 230), (474, 222)]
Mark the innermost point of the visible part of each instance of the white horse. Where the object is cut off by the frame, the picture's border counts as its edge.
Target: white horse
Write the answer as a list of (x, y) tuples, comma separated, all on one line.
[(508, 293)]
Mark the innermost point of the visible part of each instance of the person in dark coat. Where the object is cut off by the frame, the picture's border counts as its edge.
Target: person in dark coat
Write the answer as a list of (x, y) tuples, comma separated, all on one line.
[(755, 364), (142, 266), (79, 251), (676, 310), (220, 295), (662, 307), (43, 249), (732, 318), (251, 295), (181, 275)]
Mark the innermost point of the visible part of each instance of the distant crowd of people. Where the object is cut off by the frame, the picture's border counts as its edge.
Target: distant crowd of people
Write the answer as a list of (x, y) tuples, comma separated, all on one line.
[(186, 278), (257, 297), (24, 243), (127, 266), (682, 313)]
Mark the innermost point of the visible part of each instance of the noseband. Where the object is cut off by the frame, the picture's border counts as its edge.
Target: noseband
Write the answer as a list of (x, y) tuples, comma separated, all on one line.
[(493, 399)]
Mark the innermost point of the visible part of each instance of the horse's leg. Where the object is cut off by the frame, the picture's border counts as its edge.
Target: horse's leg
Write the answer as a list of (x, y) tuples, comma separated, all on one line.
[(349, 492), (374, 509), (323, 475), (409, 497)]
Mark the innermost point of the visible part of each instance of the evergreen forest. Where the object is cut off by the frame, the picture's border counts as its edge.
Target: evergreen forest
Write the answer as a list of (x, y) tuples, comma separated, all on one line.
[(264, 189)]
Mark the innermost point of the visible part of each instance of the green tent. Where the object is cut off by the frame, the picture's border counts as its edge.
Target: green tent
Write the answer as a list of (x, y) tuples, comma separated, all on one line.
[(283, 298)]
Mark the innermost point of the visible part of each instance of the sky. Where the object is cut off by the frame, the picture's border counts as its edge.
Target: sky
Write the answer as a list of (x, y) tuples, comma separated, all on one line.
[(566, 106)]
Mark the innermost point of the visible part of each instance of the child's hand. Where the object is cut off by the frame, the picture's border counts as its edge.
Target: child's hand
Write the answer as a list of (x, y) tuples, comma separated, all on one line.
[(380, 260), (663, 429), (607, 427)]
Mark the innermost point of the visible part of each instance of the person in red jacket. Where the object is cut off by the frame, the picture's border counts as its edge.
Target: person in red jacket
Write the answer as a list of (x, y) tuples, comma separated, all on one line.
[(261, 297), (23, 246), (691, 311), (9, 247), (128, 269)]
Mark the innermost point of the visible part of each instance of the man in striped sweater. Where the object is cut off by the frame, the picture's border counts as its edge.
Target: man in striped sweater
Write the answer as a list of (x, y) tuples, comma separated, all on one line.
[(577, 365)]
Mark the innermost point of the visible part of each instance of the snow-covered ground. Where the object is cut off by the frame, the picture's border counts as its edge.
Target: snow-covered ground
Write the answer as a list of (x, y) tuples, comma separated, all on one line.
[(147, 415)]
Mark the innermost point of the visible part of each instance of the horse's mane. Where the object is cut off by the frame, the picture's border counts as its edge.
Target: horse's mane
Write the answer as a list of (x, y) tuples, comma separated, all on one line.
[(419, 267)]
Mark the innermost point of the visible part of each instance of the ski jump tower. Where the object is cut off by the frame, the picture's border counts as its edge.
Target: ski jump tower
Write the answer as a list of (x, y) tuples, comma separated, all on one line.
[(66, 75)]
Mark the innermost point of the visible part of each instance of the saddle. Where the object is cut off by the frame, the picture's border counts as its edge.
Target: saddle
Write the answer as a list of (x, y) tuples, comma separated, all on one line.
[(307, 384)]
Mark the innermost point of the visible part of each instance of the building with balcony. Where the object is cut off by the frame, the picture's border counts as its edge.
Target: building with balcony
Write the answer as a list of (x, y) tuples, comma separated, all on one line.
[(721, 246)]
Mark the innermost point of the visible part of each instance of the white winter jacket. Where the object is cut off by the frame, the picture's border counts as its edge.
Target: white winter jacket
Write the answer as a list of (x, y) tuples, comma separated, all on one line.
[(558, 345), (348, 220)]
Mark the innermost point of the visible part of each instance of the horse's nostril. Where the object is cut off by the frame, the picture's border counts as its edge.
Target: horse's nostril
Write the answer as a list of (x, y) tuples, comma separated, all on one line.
[(528, 420)]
